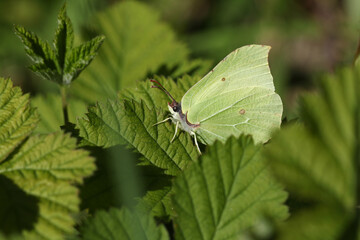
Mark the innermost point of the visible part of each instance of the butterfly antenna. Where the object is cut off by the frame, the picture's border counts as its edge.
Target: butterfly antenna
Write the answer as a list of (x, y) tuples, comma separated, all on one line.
[(159, 86)]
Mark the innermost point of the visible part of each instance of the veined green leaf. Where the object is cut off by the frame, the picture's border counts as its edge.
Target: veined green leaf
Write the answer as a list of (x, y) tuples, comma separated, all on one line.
[(132, 123), (321, 161), (40, 169), (40, 53), (63, 64), (137, 44), (80, 57), (45, 167), (17, 119), (64, 37), (226, 192), (157, 198), (123, 224), (37, 50), (157, 202)]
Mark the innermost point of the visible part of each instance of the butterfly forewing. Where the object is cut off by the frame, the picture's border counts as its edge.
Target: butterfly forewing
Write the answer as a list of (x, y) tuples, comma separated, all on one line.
[(245, 67)]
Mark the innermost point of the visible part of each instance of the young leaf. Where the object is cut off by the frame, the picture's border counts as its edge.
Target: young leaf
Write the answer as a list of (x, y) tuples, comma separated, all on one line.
[(123, 224), (64, 37), (80, 57), (43, 56), (41, 169), (137, 44), (65, 63), (226, 192), (321, 162)]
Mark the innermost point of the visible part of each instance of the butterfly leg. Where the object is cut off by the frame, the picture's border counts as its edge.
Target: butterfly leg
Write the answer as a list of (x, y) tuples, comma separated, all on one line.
[(165, 120), (176, 129), (196, 143)]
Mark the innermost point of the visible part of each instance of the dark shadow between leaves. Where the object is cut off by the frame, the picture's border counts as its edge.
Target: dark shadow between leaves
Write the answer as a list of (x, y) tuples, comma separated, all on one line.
[(119, 180), (19, 211)]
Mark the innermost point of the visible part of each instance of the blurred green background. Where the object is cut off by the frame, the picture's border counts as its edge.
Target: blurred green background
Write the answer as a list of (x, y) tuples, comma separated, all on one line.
[(308, 37)]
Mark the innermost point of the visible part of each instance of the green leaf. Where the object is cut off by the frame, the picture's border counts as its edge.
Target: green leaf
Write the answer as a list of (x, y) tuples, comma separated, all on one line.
[(157, 198), (123, 224), (157, 202), (321, 163), (229, 190), (80, 57), (65, 63), (37, 173), (40, 53), (64, 37), (50, 111), (131, 123), (137, 44), (17, 119), (46, 167)]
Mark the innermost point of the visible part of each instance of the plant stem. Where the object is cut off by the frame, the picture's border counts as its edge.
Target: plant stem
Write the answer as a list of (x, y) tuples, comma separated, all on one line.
[(64, 104)]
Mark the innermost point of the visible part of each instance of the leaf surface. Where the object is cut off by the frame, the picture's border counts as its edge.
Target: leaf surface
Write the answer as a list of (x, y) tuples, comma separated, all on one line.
[(131, 123), (226, 192), (320, 166), (138, 45), (123, 224), (41, 169)]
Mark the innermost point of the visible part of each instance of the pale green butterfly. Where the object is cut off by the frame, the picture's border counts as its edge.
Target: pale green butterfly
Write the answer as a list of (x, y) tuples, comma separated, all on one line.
[(236, 97)]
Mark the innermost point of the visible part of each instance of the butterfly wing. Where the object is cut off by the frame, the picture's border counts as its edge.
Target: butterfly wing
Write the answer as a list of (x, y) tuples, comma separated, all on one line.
[(236, 97), (245, 67), (254, 110)]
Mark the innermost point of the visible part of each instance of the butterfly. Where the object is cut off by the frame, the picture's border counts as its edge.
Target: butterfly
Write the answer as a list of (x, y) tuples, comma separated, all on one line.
[(236, 97)]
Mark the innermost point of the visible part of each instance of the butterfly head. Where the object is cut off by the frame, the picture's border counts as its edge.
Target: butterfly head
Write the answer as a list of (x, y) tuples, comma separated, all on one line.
[(174, 106)]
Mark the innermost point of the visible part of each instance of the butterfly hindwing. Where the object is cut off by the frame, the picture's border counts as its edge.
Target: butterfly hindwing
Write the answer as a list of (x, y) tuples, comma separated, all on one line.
[(256, 111)]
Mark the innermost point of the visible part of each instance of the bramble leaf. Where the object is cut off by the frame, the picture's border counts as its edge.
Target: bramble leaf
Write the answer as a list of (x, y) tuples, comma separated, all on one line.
[(131, 123), (138, 45), (123, 224), (65, 63), (64, 37), (229, 190), (37, 173), (17, 119), (80, 57), (43, 56), (321, 163)]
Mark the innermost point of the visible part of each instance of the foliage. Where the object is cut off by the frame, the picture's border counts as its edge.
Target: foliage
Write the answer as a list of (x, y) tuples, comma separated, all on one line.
[(123, 224), (226, 193), (121, 122), (64, 63), (320, 166), (37, 173), (302, 184), (135, 48)]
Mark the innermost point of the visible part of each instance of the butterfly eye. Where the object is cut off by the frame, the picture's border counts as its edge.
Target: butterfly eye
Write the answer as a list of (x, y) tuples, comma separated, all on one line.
[(175, 108)]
